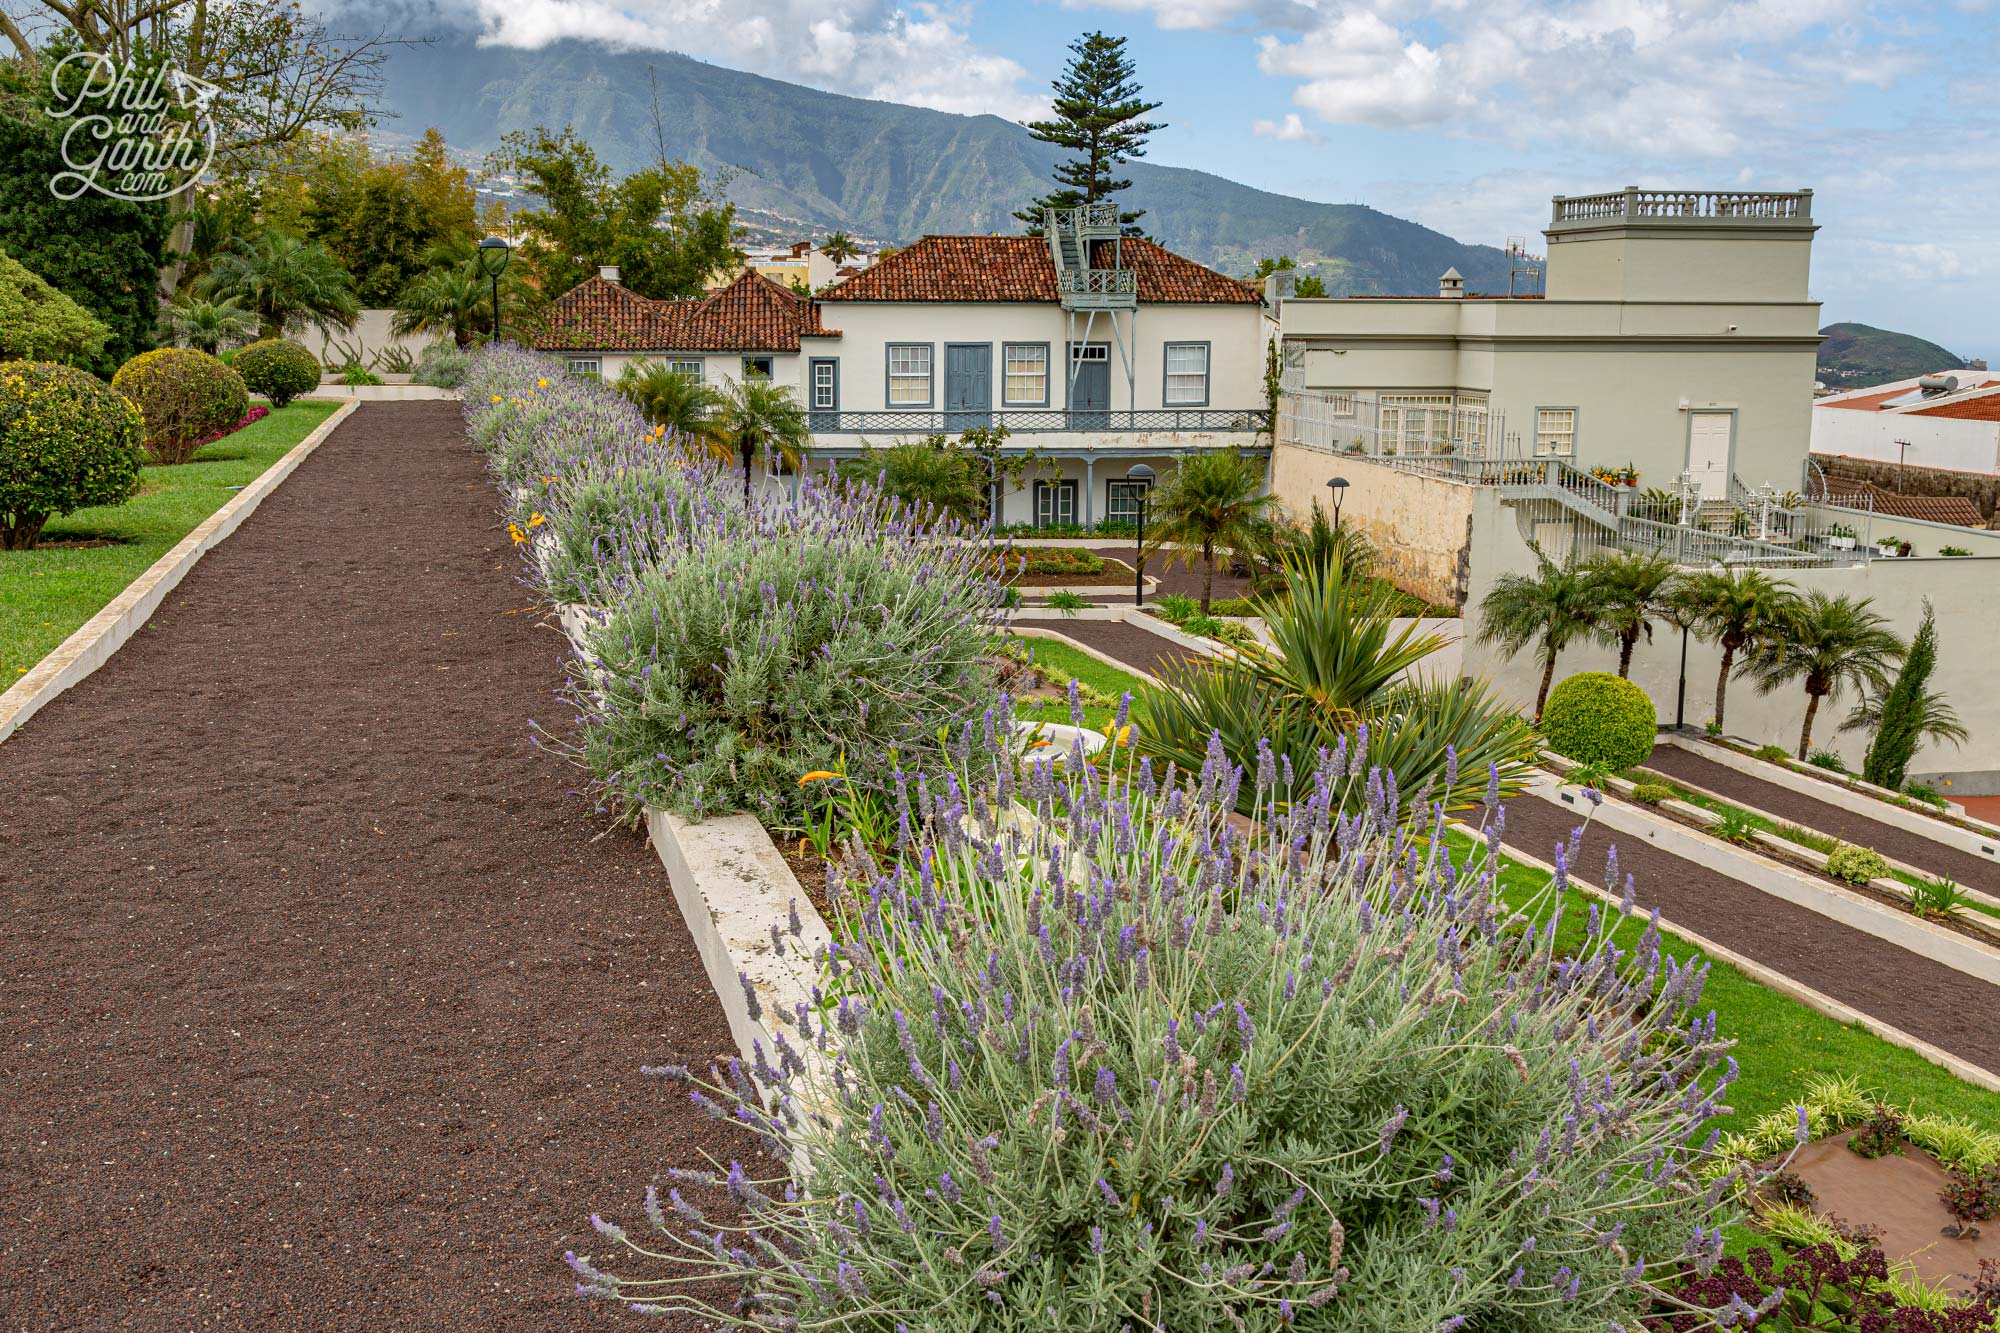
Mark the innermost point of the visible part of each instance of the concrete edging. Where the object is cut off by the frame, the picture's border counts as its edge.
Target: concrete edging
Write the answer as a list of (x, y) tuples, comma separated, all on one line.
[(1838, 794), (91, 646), (1772, 979), (1885, 923)]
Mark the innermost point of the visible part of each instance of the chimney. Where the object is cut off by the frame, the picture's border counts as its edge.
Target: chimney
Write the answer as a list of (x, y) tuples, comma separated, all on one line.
[(1452, 284), (608, 272)]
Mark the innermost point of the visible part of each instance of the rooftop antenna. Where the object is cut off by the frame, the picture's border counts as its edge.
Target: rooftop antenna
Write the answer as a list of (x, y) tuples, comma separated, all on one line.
[(1524, 270)]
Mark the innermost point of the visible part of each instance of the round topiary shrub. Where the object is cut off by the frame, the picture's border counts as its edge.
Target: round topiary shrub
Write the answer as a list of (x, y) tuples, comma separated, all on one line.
[(187, 398), (1856, 865), (277, 369), (1595, 717), (66, 442)]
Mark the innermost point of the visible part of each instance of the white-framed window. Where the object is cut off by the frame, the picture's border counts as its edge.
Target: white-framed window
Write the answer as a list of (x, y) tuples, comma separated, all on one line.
[(1187, 375), (1415, 423), (1027, 375), (586, 365), (1339, 404), (1469, 427), (691, 367), (825, 391), (1055, 504), (1555, 432), (1121, 500), (909, 374)]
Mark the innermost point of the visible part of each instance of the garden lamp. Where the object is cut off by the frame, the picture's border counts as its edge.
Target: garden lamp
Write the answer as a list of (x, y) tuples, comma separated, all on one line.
[(494, 252), (1141, 473), (1338, 485)]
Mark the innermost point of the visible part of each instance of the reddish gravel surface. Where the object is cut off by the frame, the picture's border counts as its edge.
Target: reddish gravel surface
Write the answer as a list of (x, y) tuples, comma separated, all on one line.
[(1137, 648), (323, 998), (1977, 872), (1926, 999)]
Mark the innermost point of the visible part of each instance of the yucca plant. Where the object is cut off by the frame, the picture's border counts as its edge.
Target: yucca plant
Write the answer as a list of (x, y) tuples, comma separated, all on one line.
[(1338, 675)]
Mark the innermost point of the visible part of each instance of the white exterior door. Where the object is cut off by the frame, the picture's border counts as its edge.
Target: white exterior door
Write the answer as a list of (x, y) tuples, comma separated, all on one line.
[(1709, 437)]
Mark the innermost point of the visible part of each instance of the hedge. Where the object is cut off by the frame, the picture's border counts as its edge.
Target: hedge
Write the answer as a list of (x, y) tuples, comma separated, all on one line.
[(66, 443)]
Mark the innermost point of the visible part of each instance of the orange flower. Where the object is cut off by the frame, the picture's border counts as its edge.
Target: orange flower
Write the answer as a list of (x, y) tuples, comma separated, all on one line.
[(541, 384), (1036, 745), (537, 520), (497, 398), (514, 531), (817, 775)]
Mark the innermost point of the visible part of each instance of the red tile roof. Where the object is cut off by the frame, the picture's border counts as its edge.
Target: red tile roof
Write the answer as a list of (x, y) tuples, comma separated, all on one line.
[(751, 314), (1869, 402), (1986, 407), (1020, 268), (1954, 509)]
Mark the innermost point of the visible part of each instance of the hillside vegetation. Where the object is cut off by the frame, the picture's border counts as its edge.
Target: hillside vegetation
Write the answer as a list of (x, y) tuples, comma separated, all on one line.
[(1857, 354), (809, 162)]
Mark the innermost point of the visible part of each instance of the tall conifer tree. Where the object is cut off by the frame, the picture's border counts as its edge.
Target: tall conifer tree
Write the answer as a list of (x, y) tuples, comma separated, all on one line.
[(1098, 109)]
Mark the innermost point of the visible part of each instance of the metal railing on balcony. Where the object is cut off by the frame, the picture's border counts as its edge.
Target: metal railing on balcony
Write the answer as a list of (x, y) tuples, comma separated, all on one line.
[(1097, 282), (1660, 205), (1029, 421)]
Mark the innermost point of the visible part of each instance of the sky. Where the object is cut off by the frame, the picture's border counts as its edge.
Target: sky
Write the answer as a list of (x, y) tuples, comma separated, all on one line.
[(1467, 115)]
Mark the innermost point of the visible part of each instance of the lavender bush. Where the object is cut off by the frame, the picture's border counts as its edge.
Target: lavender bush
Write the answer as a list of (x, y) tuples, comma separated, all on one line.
[(1124, 1067), (742, 643), (827, 632)]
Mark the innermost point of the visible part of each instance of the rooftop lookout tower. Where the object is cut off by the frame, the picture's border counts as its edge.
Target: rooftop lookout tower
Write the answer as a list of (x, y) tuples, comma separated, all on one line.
[(1092, 282), (1639, 245)]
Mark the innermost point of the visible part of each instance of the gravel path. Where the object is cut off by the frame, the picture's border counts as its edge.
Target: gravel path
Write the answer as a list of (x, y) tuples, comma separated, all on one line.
[(1137, 648), (1926, 999), (1797, 808), (323, 996)]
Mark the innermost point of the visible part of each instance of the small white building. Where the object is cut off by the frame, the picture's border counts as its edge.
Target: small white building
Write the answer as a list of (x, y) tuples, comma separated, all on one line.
[(1950, 420), (1094, 352)]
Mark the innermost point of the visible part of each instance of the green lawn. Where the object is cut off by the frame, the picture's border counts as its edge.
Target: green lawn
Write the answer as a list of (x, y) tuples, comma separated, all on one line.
[(1063, 661), (46, 594), (1779, 1041)]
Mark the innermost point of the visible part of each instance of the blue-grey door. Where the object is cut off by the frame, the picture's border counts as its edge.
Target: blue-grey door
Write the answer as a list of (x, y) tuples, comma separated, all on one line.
[(968, 385), (1090, 386)]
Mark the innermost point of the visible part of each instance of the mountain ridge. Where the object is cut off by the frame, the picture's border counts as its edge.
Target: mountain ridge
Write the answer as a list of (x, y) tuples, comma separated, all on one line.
[(883, 171), (1858, 354)]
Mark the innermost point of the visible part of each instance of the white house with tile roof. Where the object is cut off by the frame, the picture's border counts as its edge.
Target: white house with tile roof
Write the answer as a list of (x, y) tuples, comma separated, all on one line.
[(1094, 352)]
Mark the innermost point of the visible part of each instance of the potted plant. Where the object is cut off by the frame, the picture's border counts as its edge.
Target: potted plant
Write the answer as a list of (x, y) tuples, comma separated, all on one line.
[(1888, 546), (1629, 475), (1840, 537)]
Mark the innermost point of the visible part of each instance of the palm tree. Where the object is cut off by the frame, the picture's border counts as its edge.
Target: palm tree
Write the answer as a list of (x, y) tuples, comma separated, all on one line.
[(929, 472), (1548, 610), (1736, 609), (285, 282), (445, 300), (686, 406), (1634, 587), (759, 416), (207, 325), (1828, 643), (1211, 500), (1339, 661), (839, 247)]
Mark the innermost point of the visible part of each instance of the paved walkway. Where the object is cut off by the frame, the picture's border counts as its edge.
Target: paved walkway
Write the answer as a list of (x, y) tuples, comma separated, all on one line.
[(1926, 999), (1793, 807), (322, 997)]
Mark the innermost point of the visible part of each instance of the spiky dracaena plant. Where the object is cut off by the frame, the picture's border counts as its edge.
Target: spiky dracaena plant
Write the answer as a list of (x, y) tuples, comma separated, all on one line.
[(1119, 1065)]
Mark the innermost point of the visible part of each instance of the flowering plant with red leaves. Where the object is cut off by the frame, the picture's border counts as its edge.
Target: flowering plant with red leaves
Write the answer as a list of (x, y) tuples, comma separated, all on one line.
[(1818, 1289)]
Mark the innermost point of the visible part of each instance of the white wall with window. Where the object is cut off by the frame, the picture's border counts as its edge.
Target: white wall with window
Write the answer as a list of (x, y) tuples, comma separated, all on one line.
[(1555, 432), (718, 369)]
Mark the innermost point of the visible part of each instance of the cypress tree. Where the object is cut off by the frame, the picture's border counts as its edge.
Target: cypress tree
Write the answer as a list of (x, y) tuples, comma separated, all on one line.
[(1903, 710), (1097, 108)]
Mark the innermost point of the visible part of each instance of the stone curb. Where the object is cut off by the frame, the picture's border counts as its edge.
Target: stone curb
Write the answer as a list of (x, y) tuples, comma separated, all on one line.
[(104, 633), (1766, 875), (1774, 980)]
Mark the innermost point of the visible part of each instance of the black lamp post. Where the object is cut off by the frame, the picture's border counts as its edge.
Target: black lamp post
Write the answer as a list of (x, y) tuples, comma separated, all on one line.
[(1141, 473), (1338, 485), (494, 252), (749, 455)]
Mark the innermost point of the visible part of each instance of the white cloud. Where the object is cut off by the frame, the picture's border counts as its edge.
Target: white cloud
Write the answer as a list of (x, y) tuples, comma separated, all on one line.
[(1290, 130), (918, 54)]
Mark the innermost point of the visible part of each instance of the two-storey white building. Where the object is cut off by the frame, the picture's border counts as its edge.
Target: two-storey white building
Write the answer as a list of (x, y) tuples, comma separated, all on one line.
[(1094, 352)]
